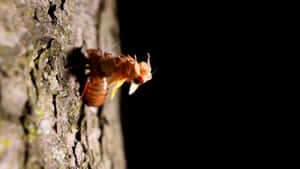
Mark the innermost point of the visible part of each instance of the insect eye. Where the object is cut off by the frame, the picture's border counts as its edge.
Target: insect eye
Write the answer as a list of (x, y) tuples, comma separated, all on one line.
[(137, 81)]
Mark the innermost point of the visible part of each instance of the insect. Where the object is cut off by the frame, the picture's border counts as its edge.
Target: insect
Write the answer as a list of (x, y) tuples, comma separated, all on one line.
[(106, 71)]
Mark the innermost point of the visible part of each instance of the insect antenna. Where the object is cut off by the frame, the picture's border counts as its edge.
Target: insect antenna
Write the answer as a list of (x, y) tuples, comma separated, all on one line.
[(154, 71)]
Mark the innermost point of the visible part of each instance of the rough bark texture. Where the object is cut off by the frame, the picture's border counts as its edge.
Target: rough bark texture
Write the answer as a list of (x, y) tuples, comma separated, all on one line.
[(43, 122)]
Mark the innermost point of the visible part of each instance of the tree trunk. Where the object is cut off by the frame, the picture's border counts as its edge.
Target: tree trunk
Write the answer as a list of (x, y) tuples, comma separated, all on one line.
[(43, 122)]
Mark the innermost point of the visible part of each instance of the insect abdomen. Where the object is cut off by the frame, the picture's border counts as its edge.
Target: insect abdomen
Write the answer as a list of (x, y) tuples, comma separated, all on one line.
[(96, 91)]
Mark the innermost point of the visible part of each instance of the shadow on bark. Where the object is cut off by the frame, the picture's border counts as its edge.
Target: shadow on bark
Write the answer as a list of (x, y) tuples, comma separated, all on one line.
[(75, 65)]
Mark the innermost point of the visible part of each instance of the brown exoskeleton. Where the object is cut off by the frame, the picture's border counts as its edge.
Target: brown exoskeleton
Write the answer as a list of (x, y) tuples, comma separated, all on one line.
[(106, 71)]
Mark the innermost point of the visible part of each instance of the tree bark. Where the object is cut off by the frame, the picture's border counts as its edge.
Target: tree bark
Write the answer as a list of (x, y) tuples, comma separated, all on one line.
[(43, 122)]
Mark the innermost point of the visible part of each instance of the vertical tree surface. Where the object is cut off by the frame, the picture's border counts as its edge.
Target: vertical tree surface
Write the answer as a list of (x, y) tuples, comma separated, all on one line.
[(43, 122)]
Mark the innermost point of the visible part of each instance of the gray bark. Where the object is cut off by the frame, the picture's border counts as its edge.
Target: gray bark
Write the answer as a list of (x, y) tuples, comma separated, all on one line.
[(43, 122)]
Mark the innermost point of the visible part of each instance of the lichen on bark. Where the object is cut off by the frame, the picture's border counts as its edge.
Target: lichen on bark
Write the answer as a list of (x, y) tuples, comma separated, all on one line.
[(43, 122)]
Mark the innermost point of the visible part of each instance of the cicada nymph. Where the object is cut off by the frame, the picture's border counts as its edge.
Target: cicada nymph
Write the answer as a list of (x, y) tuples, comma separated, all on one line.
[(106, 71)]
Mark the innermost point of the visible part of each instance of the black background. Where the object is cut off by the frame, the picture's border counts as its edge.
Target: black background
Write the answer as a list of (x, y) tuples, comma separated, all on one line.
[(151, 130), (194, 110)]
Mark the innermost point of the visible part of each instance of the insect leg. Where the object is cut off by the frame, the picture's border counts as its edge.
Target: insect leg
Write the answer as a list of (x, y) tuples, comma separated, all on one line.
[(118, 85), (85, 87)]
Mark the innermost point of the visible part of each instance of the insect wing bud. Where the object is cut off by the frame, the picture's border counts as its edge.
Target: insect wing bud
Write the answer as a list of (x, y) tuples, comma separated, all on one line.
[(133, 87)]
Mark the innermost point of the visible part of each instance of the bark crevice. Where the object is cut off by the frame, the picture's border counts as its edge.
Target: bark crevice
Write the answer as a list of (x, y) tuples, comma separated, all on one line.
[(62, 4), (51, 11)]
